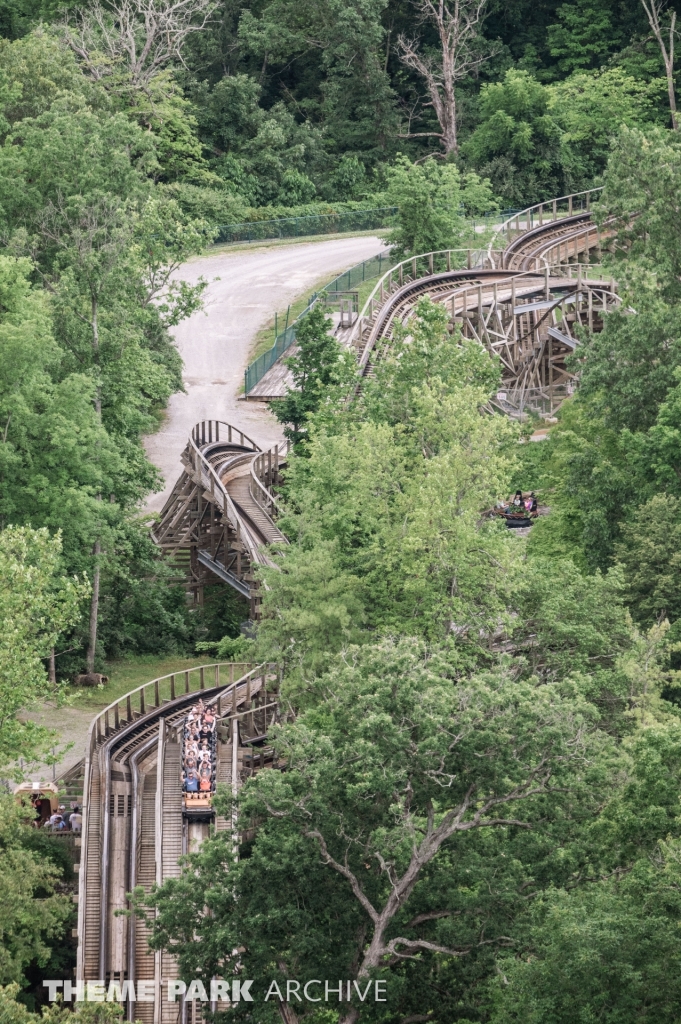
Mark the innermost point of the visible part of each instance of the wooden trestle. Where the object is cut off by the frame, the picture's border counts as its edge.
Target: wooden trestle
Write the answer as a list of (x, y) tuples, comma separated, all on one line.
[(218, 516), (526, 305)]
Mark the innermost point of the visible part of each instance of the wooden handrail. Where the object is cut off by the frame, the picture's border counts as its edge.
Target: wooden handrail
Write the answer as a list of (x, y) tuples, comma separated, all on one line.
[(411, 261), (199, 431), (528, 215)]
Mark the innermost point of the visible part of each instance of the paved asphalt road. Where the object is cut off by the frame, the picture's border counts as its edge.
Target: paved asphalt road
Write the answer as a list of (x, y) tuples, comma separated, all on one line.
[(215, 344)]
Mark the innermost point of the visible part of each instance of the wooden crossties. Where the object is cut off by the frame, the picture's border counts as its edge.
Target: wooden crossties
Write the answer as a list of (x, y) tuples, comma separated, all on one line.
[(525, 304)]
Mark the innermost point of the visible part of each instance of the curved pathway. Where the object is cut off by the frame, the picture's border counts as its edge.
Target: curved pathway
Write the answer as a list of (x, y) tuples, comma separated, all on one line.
[(215, 343)]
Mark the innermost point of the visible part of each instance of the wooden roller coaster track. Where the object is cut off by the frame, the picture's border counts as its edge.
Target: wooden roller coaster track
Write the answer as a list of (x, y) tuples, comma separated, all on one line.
[(136, 825), (219, 514), (523, 299), (524, 302)]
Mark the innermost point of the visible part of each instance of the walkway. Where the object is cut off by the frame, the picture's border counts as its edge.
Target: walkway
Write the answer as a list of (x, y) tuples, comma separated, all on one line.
[(215, 344)]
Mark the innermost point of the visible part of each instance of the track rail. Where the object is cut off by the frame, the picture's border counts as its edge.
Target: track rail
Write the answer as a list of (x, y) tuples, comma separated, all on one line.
[(135, 829), (524, 302), (219, 514)]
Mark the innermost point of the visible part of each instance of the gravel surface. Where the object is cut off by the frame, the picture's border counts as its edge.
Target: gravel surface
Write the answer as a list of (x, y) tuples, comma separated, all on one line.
[(215, 344)]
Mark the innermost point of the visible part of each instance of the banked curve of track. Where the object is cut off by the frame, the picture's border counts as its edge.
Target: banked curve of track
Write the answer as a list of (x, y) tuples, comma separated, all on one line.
[(135, 827), (522, 301)]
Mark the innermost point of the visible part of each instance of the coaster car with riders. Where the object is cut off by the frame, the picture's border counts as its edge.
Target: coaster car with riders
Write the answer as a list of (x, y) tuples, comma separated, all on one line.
[(521, 511)]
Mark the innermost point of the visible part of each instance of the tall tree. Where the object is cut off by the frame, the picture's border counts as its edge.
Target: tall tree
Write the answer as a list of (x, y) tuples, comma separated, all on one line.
[(654, 10), (402, 814), (139, 38), (317, 364), (461, 51)]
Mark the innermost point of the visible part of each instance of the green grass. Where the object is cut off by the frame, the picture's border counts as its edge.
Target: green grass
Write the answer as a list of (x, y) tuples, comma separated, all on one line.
[(264, 339), (127, 674)]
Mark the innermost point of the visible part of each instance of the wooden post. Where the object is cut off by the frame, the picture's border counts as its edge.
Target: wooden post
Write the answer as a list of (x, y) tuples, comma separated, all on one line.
[(555, 209), (513, 316), (546, 283), (172, 687), (128, 709), (217, 675), (234, 701), (186, 681), (202, 682), (106, 723), (116, 718), (248, 692), (157, 695), (142, 705)]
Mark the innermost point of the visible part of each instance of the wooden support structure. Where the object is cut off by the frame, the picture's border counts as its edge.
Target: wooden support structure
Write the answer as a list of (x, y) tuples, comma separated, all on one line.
[(218, 519)]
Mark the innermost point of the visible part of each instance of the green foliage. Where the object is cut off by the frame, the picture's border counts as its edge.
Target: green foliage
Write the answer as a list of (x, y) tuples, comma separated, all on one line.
[(230, 648), (387, 756), (34, 913), (598, 954), (517, 143), (591, 109), (384, 508), (433, 200), (650, 554), (640, 191), (629, 367), (585, 34), (318, 363), (37, 603)]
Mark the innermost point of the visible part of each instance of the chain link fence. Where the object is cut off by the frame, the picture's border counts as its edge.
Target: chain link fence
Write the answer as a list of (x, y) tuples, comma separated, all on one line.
[(319, 224), (365, 271)]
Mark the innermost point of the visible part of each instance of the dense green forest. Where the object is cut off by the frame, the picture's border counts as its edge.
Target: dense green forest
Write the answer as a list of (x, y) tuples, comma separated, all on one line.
[(481, 803)]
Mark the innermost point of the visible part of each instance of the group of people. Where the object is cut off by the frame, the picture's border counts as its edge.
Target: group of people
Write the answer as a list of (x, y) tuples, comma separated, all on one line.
[(519, 503), (60, 820), (198, 754)]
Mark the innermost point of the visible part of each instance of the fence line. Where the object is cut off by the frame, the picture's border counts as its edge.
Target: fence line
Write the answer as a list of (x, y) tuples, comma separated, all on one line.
[(364, 271), (316, 224)]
